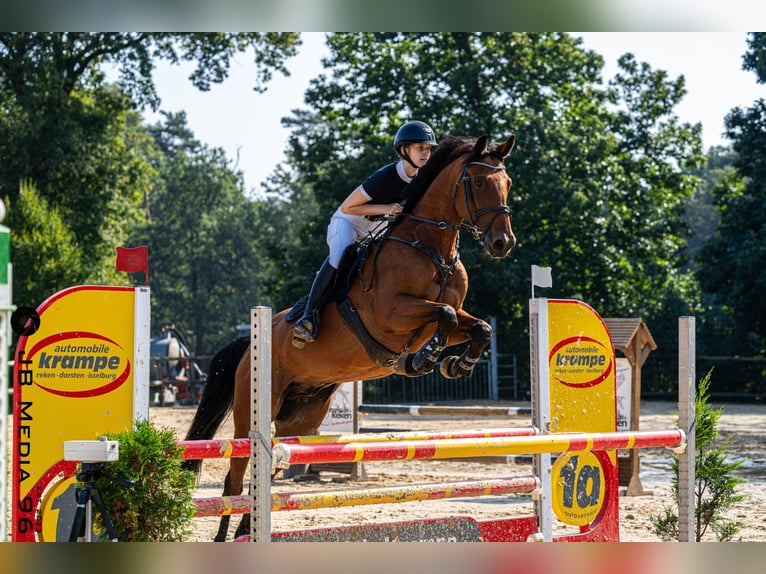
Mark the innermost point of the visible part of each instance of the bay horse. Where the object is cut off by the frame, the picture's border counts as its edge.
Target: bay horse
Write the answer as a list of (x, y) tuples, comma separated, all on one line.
[(407, 304)]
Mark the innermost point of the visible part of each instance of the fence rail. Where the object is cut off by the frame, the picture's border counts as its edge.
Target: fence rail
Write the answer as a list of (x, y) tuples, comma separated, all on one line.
[(431, 388), (733, 378)]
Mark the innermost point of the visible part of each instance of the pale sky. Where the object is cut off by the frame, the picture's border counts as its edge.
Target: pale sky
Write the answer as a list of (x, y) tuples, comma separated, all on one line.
[(246, 124)]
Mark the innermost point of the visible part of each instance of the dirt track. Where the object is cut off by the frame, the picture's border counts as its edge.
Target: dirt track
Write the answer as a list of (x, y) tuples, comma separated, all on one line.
[(745, 425)]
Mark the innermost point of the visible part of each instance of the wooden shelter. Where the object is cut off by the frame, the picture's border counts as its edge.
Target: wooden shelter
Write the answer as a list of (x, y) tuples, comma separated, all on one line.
[(632, 338)]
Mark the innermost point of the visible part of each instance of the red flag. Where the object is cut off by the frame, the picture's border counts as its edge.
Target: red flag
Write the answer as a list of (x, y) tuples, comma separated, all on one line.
[(133, 259)]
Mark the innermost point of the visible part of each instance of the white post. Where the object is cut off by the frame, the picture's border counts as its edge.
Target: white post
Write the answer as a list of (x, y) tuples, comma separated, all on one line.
[(541, 408), (142, 329), (687, 422), (5, 338), (260, 424)]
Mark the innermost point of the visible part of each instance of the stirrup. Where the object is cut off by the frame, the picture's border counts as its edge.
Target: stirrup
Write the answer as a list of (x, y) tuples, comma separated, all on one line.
[(302, 334)]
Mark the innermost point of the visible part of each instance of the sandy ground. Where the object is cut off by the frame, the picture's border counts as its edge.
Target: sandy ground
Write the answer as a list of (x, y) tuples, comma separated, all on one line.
[(745, 425)]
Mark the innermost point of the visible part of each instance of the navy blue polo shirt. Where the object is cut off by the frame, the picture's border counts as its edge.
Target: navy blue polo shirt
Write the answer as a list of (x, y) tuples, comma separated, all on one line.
[(386, 185)]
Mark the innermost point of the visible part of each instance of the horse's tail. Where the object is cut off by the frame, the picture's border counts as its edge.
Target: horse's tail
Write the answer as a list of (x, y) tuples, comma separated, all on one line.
[(218, 397)]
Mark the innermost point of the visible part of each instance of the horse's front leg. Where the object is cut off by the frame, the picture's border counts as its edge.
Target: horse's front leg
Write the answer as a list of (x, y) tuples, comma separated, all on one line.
[(423, 361), (455, 366)]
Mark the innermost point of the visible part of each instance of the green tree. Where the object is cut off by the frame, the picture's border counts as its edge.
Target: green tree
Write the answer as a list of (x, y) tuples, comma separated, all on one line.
[(204, 235), (701, 216), (729, 263), (754, 59), (74, 135), (44, 248), (600, 173), (715, 490), (159, 506)]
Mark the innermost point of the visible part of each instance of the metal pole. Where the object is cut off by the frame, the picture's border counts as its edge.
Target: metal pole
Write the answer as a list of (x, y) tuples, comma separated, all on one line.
[(5, 338), (687, 422), (541, 407), (260, 424)]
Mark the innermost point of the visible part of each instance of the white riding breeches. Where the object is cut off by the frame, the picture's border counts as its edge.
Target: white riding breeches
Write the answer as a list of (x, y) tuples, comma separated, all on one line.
[(344, 230)]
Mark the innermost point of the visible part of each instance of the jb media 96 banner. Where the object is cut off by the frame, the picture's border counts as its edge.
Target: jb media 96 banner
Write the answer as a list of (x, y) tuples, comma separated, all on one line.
[(80, 371)]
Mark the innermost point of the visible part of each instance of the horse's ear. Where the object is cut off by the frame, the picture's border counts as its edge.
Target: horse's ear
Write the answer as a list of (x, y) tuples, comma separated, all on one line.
[(481, 147), (504, 149)]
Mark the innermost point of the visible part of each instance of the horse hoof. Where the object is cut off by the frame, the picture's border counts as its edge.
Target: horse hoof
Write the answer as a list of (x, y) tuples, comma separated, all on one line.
[(298, 343), (450, 368), (444, 367)]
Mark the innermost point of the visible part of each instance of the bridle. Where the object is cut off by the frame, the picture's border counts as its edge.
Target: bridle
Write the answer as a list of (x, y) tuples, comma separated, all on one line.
[(470, 205), (468, 195), (446, 268)]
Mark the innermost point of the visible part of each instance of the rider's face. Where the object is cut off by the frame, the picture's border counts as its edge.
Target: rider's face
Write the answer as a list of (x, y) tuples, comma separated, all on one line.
[(419, 153)]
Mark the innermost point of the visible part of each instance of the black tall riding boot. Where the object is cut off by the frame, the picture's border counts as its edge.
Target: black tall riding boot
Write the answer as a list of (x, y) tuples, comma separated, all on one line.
[(307, 327)]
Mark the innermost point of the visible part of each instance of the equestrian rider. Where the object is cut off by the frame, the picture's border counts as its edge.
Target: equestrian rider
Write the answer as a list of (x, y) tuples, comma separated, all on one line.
[(381, 194)]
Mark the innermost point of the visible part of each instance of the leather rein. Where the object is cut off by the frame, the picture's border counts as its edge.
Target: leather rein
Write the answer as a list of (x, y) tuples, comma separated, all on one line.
[(446, 268)]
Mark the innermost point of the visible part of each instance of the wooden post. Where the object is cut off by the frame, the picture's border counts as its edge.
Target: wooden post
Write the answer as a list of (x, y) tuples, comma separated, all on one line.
[(635, 488)]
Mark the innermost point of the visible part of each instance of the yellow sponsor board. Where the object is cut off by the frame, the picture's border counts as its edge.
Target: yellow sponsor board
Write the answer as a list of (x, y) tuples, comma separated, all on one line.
[(581, 367), (580, 484), (582, 386), (74, 379)]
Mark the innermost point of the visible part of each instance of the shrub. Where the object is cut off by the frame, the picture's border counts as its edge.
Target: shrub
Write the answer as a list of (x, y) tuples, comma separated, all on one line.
[(159, 507), (715, 488)]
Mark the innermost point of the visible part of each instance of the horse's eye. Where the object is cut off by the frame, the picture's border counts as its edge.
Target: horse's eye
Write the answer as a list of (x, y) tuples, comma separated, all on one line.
[(477, 182)]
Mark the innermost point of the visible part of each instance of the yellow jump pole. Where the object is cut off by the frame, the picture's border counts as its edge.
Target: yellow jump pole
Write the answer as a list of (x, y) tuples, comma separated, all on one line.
[(222, 505)]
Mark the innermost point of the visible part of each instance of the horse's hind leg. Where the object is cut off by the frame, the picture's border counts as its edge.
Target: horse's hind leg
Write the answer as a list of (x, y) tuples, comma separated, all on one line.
[(244, 526), (232, 486), (454, 366), (302, 411)]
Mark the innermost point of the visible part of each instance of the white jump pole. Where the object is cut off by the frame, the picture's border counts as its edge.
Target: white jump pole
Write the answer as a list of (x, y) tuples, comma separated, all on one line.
[(687, 421), (260, 424)]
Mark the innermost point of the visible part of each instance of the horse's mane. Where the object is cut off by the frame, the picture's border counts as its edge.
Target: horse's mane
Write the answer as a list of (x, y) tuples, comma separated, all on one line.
[(448, 150)]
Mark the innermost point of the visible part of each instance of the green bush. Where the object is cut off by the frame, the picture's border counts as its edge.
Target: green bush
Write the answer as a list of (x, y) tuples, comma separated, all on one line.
[(715, 488), (159, 507)]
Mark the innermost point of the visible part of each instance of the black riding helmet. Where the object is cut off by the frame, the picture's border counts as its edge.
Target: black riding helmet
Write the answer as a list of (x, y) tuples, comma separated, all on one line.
[(410, 133)]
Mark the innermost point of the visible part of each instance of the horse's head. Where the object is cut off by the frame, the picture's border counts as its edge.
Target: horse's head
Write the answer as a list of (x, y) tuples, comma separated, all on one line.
[(485, 186)]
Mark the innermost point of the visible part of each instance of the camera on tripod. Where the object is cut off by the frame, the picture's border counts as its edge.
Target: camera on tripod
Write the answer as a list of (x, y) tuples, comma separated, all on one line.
[(101, 450), (92, 454)]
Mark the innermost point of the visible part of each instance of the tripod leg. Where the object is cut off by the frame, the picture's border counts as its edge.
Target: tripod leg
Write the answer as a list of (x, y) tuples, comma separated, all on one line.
[(78, 524), (104, 515)]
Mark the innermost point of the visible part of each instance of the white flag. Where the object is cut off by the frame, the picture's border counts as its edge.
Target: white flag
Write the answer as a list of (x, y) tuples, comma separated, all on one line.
[(541, 276)]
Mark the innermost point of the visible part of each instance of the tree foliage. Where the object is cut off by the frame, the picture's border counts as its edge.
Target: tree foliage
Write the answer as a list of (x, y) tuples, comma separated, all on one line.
[(600, 172), (715, 491), (729, 263), (608, 184), (754, 59), (44, 249), (159, 506), (75, 136), (204, 240)]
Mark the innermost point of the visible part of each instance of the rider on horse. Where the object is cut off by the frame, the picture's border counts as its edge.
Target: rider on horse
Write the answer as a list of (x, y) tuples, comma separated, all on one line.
[(381, 194)]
